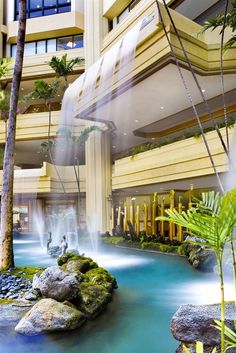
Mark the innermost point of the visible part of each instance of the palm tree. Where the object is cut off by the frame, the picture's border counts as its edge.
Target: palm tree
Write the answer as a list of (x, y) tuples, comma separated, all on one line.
[(213, 220), (64, 68), (46, 92), (227, 20), (6, 239)]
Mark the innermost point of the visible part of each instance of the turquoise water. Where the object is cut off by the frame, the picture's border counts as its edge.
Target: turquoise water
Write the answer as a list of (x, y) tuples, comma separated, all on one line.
[(151, 288)]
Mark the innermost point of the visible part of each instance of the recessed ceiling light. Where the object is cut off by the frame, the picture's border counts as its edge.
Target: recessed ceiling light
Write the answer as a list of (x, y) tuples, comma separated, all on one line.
[(153, 138), (203, 90), (22, 88), (124, 133), (136, 191), (136, 120), (113, 146), (161, 108), (38, 6), (58, 95)]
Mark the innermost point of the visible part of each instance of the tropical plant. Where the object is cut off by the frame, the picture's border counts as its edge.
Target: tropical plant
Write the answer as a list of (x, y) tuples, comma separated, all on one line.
[(62, 67), (47, 91), (230, 335), (4, 66), (6, 239), (212, 220), (227, 20), (199, 348)]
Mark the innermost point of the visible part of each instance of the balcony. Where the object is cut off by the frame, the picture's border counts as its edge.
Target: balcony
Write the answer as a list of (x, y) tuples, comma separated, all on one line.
[(49, 26), (45, 180), (168, 164), (35, 126), (151, 91), (36, 66)]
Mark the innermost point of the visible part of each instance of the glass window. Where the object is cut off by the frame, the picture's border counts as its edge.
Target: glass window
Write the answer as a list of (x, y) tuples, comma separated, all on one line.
[(38, 8), (35, 5), (123, 15), (50, 3), (49, 12), (64, 2), (51, 45), (65, 43), (78, 41), (36, 14), (30, 48), (13, 51), (41, 47), (64, 9), (133, 4)]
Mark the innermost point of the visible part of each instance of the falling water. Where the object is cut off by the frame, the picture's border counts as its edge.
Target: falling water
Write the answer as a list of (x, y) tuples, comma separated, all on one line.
[(102, 72)]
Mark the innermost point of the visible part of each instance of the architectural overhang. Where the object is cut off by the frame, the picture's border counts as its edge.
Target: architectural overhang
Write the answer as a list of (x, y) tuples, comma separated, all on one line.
[(152, 89), (63, 24)]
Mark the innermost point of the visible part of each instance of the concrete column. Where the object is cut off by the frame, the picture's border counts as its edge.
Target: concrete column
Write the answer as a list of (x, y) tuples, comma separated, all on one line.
[(98, 182), (94, 33)]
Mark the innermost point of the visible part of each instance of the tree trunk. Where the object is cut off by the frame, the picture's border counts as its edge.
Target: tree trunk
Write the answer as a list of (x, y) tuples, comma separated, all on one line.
[(6, 236)]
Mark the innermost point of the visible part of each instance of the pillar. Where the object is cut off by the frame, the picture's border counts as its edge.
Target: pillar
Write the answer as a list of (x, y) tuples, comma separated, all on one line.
[(95, 25), (98, 182)]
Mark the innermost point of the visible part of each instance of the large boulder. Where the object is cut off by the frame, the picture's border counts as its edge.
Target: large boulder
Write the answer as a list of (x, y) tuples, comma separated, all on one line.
[(47, 316), (83, 264), (193, 323), (203, 260), (101, 277), (93, 299), (57, 284)]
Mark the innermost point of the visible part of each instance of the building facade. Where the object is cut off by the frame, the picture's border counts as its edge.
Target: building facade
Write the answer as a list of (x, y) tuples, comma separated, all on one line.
[(129, 86)]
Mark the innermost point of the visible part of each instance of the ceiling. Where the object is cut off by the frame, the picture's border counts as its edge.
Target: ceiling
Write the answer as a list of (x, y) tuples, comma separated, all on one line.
[(154, 99)]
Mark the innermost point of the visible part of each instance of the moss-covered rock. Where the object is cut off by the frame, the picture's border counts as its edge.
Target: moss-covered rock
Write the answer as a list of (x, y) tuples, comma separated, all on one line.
[(93, 299), (100, 276), (84, 264), (47, 316), (203, 260)]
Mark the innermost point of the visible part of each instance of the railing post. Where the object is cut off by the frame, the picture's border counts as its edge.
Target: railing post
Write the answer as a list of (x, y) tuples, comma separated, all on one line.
[(180, 230), (162, 226), (119, 216), (154, 214), (145, 217), (137, 220), (125, 218), (172, 206)]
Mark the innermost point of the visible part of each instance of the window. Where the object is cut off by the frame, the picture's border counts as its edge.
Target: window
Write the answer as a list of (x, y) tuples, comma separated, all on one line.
[(51, 45), (38, 8), (127, 10)]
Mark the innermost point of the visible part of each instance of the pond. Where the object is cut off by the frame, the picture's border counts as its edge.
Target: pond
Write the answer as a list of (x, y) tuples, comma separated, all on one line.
[(151, 288)]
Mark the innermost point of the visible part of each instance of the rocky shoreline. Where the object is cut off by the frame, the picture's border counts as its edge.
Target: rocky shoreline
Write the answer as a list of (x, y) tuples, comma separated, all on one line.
[(61, 297), (201, 259)]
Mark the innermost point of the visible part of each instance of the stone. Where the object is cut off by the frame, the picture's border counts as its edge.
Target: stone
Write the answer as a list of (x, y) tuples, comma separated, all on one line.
[(101, 277), (193, 323), (32, 295), (57, 284), (75, 266), (47, 316), (203, 260), (93, 299), (85, 263), (78, 266)]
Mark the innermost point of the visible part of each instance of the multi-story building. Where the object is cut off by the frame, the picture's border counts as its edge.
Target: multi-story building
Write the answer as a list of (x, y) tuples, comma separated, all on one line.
[(142, 101)]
